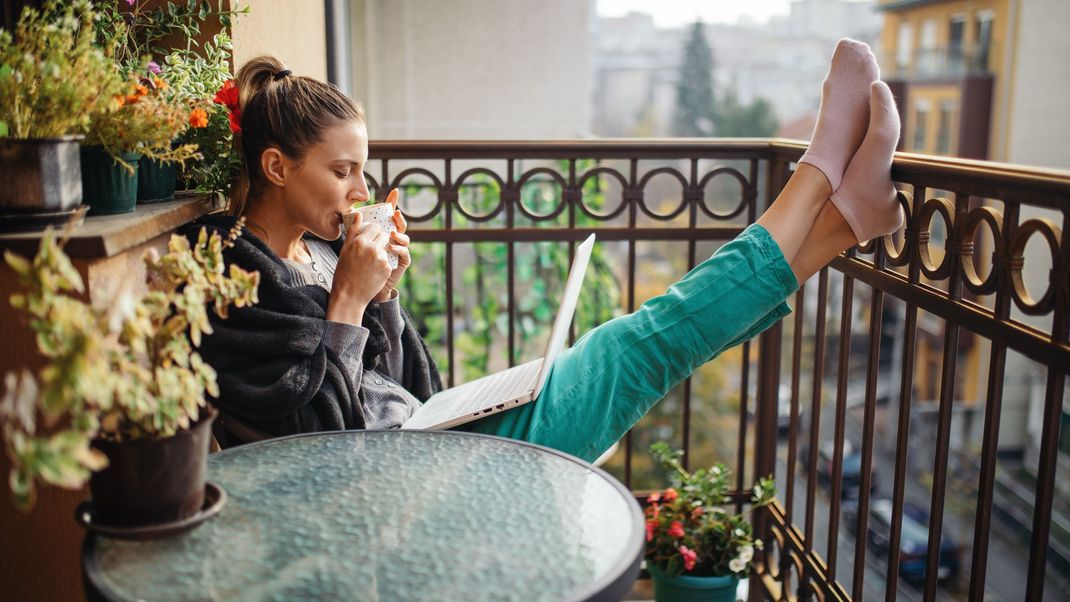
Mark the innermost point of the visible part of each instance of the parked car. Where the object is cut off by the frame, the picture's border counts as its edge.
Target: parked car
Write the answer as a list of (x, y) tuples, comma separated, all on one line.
[(783, 410), (913, 540), (852, 468)]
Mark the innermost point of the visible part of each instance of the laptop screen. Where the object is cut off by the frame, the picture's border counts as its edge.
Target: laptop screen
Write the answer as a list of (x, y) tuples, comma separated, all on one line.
[(559, 334)]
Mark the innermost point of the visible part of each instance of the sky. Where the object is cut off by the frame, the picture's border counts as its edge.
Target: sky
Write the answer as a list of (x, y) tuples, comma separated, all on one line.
[(673, 13)]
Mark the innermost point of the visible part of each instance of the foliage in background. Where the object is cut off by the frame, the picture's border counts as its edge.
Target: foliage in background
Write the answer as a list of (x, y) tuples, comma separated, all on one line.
[(52, 76), (137, 39), (694, 111), (689, 528), (123, 372), (481, 316), (732, 119), (699, 113)]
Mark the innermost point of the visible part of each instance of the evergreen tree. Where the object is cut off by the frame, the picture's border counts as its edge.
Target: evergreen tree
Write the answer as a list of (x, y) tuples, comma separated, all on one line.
[(694, 112), (734, 120)]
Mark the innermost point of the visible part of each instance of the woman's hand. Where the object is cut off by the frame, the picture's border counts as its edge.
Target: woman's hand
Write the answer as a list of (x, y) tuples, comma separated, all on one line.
[(362, 272), (399, 245)]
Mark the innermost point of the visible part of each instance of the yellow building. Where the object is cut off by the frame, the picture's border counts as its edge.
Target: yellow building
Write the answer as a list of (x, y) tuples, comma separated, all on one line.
[(945, 61)]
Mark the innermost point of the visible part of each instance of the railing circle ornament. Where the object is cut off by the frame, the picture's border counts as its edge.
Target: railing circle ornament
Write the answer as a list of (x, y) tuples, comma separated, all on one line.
[(609, 171), (899, 257), (398, 179), (683, 193), (946, 209), (746, 193), (993, 219), (562, 199), (494, 211), (1053, 236)]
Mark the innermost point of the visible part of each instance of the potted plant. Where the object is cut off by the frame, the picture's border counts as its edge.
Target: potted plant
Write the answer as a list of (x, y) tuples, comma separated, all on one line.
[(696, 548), (122, 396), (186, 75), (143, 122), (52, 78)]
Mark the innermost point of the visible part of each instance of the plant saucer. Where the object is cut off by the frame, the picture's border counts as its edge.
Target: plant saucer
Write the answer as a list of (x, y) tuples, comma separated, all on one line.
[(214, 499)]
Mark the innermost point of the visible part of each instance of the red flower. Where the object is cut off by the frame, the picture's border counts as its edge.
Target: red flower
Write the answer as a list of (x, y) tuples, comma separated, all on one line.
[(654, 498), (670, 494), (650, 525), (198, 118), (690, 557), (228, 97), (676, 529), (697, 512)]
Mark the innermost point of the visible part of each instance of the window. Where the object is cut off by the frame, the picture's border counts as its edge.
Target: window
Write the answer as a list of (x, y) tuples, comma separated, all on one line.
[(921, 120), (983, 35), (927, 47), (943, 128), (955, 36), (904, 46)]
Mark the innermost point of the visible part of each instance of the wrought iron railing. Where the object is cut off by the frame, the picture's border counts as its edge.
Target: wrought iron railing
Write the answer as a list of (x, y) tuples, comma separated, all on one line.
[(961, 271)]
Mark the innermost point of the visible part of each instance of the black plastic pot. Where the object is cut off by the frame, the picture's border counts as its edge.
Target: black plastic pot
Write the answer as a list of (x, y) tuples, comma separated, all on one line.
[(153, 481)]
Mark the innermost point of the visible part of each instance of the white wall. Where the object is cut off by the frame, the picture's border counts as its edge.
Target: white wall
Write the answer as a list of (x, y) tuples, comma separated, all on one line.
[(1039, 128), (472, 69)]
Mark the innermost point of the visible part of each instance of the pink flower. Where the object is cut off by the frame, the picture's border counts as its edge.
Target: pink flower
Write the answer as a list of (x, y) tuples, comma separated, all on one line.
[(154, 67), (650, 530), (130, 2), (697, 512), (689, 556), (654, 498), (676, 529), (670, 494)]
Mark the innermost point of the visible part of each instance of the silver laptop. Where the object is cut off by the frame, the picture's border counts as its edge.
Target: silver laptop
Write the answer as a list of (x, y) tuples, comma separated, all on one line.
[(508, 388)]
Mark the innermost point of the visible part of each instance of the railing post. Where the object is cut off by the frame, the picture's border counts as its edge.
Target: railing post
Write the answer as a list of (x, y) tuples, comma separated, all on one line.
[(765, 438)]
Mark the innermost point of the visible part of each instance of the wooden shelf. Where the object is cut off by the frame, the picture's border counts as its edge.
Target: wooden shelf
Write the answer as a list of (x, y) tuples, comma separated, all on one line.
[(105, 236)]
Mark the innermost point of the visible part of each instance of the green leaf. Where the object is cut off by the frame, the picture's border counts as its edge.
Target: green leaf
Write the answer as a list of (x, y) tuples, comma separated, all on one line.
[(3, 129)]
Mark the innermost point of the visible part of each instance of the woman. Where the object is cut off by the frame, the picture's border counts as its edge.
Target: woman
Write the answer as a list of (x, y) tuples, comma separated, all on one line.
[(329, 347)]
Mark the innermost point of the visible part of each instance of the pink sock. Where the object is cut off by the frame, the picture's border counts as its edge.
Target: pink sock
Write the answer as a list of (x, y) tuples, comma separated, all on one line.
[(841, 121), (866, 198)]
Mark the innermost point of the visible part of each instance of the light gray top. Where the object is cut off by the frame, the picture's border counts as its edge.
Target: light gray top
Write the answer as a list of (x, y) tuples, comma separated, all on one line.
[(386, 403), (390, 515)]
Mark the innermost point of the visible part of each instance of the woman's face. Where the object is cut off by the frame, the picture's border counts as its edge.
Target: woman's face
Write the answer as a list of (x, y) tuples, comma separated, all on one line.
[(329, 179)]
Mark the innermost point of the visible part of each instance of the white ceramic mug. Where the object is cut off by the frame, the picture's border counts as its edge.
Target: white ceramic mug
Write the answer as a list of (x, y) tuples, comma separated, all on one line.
[(379, 213)]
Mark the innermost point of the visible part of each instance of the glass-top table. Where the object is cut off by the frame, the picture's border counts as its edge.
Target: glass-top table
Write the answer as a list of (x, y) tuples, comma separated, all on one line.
[(390, 515)]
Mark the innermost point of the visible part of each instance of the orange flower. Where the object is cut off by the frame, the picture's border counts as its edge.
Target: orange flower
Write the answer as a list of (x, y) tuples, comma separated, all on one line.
[(141, 89), (198, 118), (159, 83), (120, 100), (131, 99)]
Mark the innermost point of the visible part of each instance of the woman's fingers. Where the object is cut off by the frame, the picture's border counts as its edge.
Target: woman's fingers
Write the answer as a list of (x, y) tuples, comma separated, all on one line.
[(399, 238), (392, 198), (399, 221)]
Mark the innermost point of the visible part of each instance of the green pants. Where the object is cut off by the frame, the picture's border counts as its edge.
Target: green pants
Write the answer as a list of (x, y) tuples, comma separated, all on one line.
[(601, 386)]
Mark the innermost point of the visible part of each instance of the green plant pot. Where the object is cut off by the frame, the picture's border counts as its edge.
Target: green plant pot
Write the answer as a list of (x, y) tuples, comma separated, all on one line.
[(107, 187), (693, 589), (156, 181)]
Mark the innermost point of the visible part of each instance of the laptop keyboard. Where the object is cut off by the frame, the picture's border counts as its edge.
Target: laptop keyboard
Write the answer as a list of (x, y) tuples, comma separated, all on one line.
[(499, 388)]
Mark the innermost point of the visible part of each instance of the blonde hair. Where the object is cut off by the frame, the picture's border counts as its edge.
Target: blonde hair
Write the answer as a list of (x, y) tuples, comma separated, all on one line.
[(284, 111)]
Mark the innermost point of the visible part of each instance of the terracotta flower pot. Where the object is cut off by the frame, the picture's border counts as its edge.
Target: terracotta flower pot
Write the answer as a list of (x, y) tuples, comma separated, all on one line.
[(153, 481), (686, 588)]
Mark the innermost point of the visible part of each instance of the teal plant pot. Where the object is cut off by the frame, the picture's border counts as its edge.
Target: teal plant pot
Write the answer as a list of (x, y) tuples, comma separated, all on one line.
[(693, 589), (156, 181), (107, 187)]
